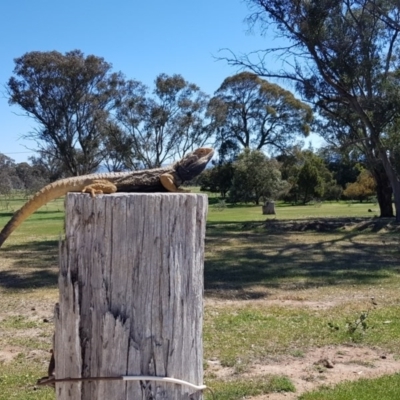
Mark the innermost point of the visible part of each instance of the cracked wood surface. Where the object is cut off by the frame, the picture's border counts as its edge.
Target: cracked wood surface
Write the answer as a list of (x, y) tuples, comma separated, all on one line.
[(131, 294)]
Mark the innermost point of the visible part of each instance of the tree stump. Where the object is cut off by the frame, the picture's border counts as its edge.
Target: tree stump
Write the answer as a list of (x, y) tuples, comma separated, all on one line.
[(268, 208), (131, 295)]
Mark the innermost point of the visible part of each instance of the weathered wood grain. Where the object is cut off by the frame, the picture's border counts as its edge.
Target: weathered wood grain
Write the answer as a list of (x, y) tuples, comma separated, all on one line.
[(131, 295)]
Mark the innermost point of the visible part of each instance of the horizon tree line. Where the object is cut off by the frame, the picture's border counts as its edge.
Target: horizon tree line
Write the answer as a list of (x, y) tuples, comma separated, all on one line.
[(90, 117)]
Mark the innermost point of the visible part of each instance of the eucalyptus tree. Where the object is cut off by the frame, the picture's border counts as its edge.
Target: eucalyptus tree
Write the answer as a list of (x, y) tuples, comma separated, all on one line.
[(164, 124), (33, 177), (338, 53), (52, 167), (253, 113), (8, 177), (70, 96), (20, 176), (348, 135)]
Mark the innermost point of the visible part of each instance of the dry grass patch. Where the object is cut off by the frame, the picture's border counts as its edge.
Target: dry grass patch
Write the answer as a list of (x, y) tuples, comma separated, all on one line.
[(28, 292)]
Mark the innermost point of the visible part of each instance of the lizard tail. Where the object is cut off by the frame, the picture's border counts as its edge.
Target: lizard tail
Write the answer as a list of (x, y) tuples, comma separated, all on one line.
[(48, 193)]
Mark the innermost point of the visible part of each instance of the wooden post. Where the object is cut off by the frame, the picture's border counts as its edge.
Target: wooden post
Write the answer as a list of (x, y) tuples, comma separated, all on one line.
[(131, 295), (268, 208)]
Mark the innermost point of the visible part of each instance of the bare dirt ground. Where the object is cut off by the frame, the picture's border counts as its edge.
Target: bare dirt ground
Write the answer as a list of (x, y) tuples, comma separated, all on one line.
[(321, 366), (331, 365)]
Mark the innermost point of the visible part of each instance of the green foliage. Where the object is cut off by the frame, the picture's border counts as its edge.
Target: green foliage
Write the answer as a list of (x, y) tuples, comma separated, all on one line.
[(359, 324), (255, 177), (217, 179), (355, 329), (309, 177), (332, 191), (310, 181), (392, 139), (345, 166)]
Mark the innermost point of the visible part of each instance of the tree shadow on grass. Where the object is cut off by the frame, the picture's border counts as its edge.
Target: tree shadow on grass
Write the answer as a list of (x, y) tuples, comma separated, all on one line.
[(238, 260), (29, 265), (31, 280)]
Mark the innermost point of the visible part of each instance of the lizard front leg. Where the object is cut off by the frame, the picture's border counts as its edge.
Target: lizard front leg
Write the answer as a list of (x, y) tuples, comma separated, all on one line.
[(100, 186), (168, 181)]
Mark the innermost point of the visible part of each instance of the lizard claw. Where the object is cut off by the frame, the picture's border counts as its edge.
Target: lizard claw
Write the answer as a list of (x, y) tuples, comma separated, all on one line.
[(168, 181), (100, 186)]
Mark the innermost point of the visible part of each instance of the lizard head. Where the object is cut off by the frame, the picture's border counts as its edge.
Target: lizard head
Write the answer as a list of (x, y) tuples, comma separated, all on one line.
[(194, 163)]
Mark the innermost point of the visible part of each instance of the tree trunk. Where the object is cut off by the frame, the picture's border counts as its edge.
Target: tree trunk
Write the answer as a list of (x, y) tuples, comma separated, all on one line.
[(383, 191), (131, 287), (269, 208), (394, 181)]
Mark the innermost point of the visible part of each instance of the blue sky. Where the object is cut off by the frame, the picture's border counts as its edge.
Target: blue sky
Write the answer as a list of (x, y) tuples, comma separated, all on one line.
[(140, 38)]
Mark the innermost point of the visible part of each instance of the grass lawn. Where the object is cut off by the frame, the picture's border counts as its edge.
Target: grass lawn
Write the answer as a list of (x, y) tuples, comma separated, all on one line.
[(386, 387), (275, 290), (244, 213)]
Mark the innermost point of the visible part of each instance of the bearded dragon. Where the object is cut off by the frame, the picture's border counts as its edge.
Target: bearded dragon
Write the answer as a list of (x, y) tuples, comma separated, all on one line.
[(164, 179)]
